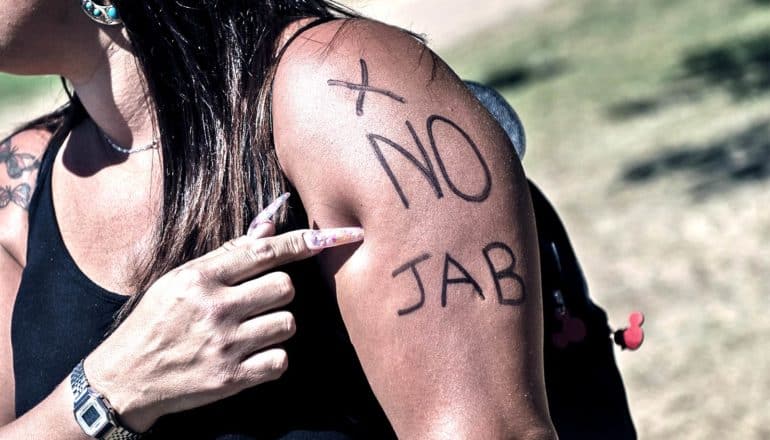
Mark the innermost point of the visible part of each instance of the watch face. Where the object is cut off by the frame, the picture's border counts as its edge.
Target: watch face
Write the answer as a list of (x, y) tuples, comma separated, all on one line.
[(92, 416)]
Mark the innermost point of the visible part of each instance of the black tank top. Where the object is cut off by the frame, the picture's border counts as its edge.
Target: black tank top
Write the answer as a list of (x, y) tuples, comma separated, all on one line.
[(61, 315)]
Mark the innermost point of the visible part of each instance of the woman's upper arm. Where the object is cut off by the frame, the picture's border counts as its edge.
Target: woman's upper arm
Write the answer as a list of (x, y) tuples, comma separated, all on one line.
[(442, 300), (18, 171), (10, 275)]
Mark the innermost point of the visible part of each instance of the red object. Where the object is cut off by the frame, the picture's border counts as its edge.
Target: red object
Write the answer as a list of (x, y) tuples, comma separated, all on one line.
[(631, 338)]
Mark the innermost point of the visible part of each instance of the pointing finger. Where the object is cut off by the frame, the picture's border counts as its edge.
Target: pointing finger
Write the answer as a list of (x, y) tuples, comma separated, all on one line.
[(248, 257)]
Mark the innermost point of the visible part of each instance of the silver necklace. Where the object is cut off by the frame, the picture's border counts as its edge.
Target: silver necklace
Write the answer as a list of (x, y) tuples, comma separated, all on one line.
[(124, 150)]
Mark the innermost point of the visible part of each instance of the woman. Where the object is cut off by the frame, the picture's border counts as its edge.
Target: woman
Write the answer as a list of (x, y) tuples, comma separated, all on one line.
[(188, 118)]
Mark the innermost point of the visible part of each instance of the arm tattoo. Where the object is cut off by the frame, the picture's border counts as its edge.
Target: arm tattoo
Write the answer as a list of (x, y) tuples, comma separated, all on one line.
[(363, 88), (16, 163), (19, 195)]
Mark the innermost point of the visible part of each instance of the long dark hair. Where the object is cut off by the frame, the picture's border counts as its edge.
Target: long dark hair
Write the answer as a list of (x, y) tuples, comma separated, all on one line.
[(209, 66)]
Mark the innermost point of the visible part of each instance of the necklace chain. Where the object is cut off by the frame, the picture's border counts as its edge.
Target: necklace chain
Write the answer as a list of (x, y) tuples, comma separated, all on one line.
[(125, 150)]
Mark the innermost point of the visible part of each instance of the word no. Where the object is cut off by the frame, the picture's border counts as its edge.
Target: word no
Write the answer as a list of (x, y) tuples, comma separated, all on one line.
[(424, 164)]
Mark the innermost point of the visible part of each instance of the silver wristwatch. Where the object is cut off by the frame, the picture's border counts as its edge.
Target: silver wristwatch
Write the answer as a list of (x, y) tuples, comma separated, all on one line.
[(93, 411)]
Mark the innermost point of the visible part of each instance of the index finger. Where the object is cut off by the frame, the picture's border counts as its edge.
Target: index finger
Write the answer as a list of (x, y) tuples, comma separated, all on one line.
[(247, 257), (261, 226)]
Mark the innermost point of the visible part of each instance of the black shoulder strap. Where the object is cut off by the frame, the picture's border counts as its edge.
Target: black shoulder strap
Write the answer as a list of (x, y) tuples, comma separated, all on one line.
[(299, 32), (72, 115)]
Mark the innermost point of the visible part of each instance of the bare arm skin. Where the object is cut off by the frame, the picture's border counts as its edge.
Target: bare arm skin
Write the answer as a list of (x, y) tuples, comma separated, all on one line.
[(17, 179), (442, 301), (20, 161), (10, 275)]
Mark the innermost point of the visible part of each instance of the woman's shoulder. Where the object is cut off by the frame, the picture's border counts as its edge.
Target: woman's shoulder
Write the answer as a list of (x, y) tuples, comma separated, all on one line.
[(359, 72), (20, 158), (32, 140), (311, 46), (359, 105), (309, 41)]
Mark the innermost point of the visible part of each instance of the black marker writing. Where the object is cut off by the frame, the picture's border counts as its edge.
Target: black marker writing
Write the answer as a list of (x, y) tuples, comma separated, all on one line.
[(507, 272), (425, 166), (499, 271), (466, 279), (412, 265), (481, 196), (363, 88)]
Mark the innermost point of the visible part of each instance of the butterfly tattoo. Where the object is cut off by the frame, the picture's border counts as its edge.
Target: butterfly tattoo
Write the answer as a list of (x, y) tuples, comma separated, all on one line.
[(19, 195), (15, 162)]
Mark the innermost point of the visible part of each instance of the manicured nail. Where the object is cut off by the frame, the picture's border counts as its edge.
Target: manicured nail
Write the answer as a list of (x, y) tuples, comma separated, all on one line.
[(267, 214), (326, 238)]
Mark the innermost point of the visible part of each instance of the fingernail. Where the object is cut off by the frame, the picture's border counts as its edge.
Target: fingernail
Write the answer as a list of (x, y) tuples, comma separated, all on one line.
[(326, 238), (267, 214)]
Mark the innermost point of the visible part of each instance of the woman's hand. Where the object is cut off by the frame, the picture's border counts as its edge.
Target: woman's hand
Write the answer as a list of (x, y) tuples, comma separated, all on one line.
[(206, 330)]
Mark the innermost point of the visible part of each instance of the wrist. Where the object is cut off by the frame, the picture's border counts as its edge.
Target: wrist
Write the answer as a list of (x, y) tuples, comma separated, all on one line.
[(134, 411)]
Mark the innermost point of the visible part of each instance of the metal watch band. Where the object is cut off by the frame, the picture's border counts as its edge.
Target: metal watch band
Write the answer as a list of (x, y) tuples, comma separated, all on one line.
[(121, 434), (81, 388), (78, 381)]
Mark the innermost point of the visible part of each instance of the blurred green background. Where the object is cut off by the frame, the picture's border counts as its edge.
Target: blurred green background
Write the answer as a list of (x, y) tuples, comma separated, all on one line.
[(16, 89), (23, 98), (648, 125)]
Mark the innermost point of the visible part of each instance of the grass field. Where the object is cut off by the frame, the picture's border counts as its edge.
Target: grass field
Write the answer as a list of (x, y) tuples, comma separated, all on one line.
[(22, 98), (649, 126)]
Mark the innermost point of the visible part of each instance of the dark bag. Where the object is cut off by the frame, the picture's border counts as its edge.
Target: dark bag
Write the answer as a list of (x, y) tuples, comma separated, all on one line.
[(586, 396)]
